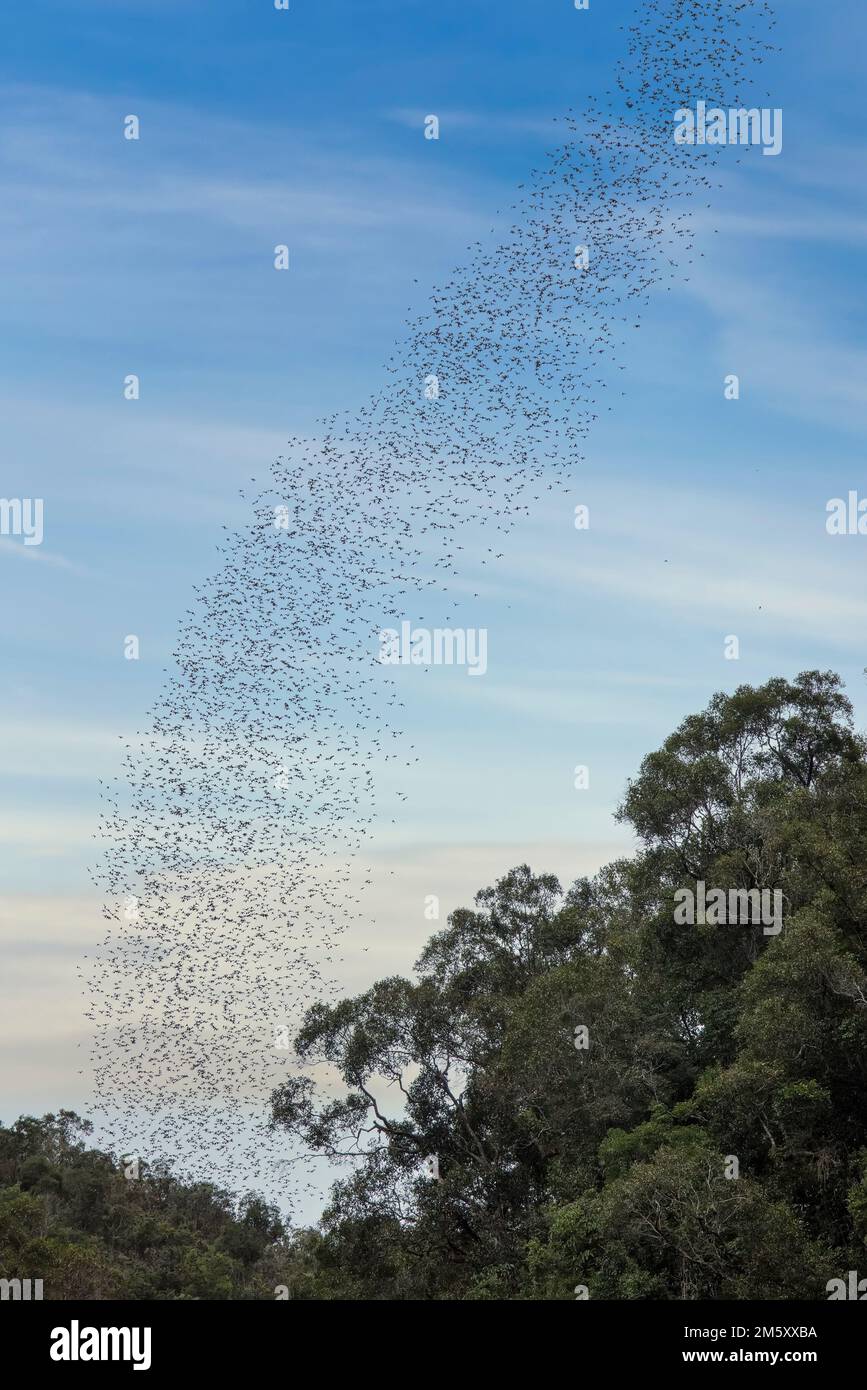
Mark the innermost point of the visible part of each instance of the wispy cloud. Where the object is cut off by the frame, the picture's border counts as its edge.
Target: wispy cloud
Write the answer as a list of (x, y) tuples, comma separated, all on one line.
[(38, 552)]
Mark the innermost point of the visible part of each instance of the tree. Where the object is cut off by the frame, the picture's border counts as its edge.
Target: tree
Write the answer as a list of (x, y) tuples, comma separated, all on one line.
[(583, 1067)]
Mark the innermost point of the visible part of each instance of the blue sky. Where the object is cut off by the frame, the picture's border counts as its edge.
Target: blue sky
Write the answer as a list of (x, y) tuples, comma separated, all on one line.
[(261, 127)]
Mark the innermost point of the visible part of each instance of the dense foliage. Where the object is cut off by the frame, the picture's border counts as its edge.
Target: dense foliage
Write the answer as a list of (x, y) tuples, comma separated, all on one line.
[(83, 1224), (609, 1166), (606, 1167)]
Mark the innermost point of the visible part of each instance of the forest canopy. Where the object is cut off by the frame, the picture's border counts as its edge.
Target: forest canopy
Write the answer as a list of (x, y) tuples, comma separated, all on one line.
[(576, 1095)]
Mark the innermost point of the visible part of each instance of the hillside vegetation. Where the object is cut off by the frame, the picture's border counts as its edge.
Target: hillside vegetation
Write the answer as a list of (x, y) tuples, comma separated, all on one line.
[(615, 1102)]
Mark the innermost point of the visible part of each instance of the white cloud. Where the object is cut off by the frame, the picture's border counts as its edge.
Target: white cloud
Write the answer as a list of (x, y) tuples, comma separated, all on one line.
[(38, 552)]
